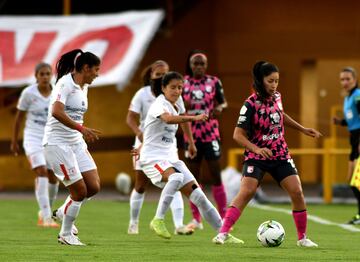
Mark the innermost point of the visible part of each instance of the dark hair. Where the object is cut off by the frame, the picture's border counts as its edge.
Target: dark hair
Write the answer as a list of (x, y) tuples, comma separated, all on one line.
[(146, 73), (166, 80), (75, 59), (261, 70), (351, 70), (41, 65), (188, 70)]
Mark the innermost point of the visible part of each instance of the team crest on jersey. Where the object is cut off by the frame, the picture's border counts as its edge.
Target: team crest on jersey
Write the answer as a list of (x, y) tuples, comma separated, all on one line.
[(208, 88), (197, 95), (250, 169), (275, 118)]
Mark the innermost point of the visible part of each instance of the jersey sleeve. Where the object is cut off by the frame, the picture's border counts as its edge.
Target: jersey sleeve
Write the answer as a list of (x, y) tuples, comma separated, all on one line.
[(219, 92), (24, 101), (135, 104), (61, 93), (157, 109), (245, 117)]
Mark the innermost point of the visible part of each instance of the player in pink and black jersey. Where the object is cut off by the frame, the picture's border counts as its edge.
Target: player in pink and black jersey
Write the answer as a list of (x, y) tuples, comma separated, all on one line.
[(204, 94), (260, 129)]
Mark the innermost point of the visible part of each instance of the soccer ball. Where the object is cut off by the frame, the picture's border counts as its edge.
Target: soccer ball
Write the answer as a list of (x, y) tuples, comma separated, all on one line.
[(271, 234), (123, 183)]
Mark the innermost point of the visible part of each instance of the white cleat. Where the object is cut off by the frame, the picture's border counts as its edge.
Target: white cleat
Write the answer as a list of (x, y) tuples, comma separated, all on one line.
[(305, 242), (194, 225), (58, 217), (184, 230), (70, 240), (133, 229)]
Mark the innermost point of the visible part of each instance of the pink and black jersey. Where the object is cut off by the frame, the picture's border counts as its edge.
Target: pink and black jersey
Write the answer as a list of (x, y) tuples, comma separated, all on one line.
[(264, 123), (202, 96)]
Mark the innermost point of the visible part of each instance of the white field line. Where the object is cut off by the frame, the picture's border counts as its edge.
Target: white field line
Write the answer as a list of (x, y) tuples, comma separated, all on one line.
[(310, 217)]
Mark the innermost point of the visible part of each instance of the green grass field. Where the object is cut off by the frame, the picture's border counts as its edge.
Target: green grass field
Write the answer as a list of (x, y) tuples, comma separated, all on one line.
[(103, 225)]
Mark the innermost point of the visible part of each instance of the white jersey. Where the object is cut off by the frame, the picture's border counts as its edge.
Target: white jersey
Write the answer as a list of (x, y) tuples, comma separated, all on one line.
[(75, 105), (141, 103), (36, 106), (159, 137)]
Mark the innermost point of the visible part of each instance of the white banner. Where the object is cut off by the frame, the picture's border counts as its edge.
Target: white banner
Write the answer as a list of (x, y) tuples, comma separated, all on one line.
[(120, 40)]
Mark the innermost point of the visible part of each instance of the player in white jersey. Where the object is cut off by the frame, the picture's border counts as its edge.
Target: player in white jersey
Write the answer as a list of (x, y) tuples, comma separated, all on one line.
[(34, 103), (138, 109), (65, 147), (159, 158)]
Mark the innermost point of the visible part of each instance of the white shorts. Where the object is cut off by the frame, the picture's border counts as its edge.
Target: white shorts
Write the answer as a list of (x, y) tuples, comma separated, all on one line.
[(37, 159), (154, 169), (69, 161), (135, 159)]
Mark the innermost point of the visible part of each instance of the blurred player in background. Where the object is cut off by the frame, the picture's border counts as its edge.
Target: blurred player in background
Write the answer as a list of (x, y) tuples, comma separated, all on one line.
[(204, 94), (138, 110), (260, 129), (65, 147), (348, 80), (34, 103)]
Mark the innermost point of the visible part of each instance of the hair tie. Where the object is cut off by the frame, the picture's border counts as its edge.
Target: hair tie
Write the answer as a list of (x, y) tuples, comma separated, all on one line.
[(76, 57), (198, 54)]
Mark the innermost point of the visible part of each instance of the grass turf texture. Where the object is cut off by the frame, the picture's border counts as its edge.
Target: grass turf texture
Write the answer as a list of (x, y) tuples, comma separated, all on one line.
[(103, 226)]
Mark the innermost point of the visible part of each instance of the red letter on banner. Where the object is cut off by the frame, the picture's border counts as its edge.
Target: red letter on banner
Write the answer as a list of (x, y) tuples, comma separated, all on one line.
[(118, 38), (35, 53)]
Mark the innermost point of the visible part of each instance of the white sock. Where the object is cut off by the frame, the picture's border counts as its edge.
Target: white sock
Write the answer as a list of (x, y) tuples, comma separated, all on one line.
[(206, 208), (174, 183), (60, 210), (136, 202), (177, 210), (53, 191), (71, 211), (42, 196)]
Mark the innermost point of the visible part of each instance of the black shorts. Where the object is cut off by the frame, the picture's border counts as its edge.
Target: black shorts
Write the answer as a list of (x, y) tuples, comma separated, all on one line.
[(207, 150), (354, 142), (278, 169)]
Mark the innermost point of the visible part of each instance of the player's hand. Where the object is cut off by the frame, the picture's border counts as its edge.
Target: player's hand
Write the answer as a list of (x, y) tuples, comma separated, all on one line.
[(312, 132), (201, 117), (14, 147), (90, 134), (135, 152), (192, 151), (264, 152)]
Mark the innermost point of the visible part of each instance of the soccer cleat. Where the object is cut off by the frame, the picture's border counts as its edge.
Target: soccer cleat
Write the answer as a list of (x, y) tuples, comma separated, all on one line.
[(305, 242), (70, 240), (183, 230), (50, 223), (56, 216), (133, 229), (225, 238), (194, 224), (158, 225), (40, 219), (355, 220)]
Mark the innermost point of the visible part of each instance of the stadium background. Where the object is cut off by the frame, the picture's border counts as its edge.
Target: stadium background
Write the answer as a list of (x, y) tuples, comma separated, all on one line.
[(310, 41)]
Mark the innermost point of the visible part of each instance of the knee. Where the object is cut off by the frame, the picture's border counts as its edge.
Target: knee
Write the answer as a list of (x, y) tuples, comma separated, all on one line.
[(140, 188), (93, 189), (79, 194), (297, 194)]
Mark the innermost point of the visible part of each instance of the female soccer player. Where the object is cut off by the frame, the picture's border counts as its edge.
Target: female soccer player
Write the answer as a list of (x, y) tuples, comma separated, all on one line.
[(138, 109), (204, 94), (260, 129), (159, 159), (65, 148), (34, 103), (348, 80)]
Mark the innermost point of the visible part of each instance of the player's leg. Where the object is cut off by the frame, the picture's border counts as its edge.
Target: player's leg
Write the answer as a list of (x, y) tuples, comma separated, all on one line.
[(136, 201), (53, 187), (177, 210)]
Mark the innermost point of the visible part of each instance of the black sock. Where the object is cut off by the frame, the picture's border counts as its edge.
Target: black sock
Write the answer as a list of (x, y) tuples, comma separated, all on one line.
[(357, 196)]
